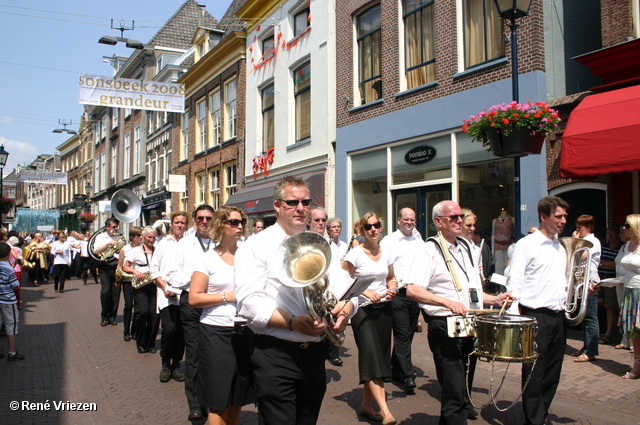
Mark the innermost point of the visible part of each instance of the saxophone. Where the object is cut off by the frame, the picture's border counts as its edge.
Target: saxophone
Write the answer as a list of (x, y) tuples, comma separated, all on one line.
[(139, 283), (106, 255)]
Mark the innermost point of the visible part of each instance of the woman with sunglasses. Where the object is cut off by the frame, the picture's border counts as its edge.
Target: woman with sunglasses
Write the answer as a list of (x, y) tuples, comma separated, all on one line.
[(137, 261), (372, 324), (469, 224), (224, 364), (135, 239), (629, 272)]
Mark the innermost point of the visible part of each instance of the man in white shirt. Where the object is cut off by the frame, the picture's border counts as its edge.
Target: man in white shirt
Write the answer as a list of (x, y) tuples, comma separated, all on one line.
[(288, 358), (190, 249), (338, 247), (537, 279), (403, 243), (258, 226), (440, 294), (61, 252), (109, 289)]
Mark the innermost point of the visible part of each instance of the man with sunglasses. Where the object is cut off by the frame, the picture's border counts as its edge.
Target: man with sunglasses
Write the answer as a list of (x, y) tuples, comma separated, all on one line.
[(445, 281), (188, 254), (288, 358), (403, 243), (109, 288)]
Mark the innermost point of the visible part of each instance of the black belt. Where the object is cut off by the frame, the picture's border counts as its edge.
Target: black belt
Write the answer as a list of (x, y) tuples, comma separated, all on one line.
[(543, 310), (294, 344)]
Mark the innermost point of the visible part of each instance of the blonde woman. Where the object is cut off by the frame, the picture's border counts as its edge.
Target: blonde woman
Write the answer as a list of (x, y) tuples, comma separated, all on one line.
[(372, 324)]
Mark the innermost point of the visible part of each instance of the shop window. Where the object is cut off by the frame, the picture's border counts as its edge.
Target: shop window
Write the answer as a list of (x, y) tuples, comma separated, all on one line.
[(302, 93), (483, 40), (369, 183), (369, 55), (406, 166), (420, 52)]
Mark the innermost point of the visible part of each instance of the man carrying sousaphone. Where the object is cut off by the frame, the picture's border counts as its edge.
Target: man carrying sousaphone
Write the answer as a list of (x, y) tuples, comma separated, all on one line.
[(288, 358), (445, 281), (109, 288)]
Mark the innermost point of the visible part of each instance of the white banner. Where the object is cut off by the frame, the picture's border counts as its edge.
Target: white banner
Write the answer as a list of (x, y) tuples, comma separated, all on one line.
[(33, 176), (128, 93)]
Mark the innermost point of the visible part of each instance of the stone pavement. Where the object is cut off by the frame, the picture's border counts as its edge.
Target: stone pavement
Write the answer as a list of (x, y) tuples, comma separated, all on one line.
[(71, 358)]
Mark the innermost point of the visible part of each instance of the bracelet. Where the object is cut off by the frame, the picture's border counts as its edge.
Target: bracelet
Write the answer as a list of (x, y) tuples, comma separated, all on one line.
[(291, 322), (224, 298)]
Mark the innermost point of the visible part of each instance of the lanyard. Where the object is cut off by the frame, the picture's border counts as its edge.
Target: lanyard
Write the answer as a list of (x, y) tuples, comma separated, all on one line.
[(145, 256), (455, 257), (204, 249)]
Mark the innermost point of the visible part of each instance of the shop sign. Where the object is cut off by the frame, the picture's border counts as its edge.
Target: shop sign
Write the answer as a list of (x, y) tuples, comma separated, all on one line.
[(420, 155)]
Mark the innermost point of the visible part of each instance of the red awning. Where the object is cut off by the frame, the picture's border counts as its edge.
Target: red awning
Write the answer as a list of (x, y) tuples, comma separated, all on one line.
[(603, 135)]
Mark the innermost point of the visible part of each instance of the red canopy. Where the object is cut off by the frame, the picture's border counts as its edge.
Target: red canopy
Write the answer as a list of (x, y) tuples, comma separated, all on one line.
[(603, 135)]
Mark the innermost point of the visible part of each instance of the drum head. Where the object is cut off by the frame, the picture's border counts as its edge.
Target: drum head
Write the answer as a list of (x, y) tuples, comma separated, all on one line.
[(504, 319)]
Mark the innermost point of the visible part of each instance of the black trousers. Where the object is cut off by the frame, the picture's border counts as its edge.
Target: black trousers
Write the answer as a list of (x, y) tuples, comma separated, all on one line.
[(551, 340), (76, 265), (127, 295), (405, 319), (450, 356), (190, 318), (290, 381), (145, 312), (109, 291), (172, 339), (88, 266), (59, 276)]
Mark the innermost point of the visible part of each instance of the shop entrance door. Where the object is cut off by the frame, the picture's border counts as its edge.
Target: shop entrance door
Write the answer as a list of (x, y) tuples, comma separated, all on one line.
[(421, 200)]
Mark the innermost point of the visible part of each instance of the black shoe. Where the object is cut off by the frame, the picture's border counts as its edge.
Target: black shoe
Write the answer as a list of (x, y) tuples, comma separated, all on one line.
[(141, 350), (177, 375), (165, 374), (151, 350), (85, 282), (409, 385), (127, 337), (16, 356), (337, 361), (472, 414), (195, 414), (56, 289), (103, 322), (112, 321), (1, 355), (62, 291)]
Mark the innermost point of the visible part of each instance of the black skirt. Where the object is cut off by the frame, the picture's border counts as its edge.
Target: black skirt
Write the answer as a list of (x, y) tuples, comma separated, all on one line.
[(372, 331), (224, 367)]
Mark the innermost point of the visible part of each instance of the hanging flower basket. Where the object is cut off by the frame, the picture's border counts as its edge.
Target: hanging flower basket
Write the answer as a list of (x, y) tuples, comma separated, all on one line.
[(6, 205), (87, 217), (513, 129)]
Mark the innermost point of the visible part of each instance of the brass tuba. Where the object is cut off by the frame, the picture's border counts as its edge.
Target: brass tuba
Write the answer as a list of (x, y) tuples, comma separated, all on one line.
[(139, 283), (126, 207), (577, 276), (302, 262)]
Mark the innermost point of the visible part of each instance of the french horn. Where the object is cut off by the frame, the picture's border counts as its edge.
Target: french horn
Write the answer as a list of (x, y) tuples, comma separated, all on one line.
[(126, 207), (302, 262), (577, 276)]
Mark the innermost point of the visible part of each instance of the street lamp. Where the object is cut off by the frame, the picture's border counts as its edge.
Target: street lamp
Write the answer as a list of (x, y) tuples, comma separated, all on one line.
[(113, 40), (65, 129), (510, 11), (87, 191), (3, 161)]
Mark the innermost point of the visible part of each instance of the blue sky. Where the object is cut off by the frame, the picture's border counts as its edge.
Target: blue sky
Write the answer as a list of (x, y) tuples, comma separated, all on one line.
[(46, 45)]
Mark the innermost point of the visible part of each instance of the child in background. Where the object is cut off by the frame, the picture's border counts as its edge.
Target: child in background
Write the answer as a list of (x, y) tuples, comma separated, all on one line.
[(8, 307)]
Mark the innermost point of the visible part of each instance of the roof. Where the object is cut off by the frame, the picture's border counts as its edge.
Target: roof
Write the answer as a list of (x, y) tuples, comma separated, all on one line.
[(178, 31)]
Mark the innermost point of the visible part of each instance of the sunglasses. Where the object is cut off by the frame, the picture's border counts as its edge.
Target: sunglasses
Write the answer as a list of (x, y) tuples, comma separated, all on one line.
[(626, 226), (294, 202), (234, 222), (368, 226), (469, 225), (454, 217), (317, 220), (204, 218)]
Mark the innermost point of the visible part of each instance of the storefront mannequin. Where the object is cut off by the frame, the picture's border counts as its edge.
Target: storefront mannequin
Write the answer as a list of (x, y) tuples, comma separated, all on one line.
[(503, 230)]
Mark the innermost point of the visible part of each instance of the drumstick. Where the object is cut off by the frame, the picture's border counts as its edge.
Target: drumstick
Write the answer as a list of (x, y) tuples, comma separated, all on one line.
[(504, 305), (476, 310)]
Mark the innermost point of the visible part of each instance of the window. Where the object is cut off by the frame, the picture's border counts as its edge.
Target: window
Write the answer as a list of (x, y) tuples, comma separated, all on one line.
[(201, 183), (419, 44), (127, 156), (302, 93), (103, 127), (97, 180), (96, 132), (114, 117), (214, 38), (151, 177), (114, 160), (214, 106), (127, 113), (483, 39), (230, 181), (184, 136), (267, 47), (268, 129), (103, 170), (166, 59), (230, 109), (300, 22), (136, 150), (202, 125), (369, 52), (214, 181)]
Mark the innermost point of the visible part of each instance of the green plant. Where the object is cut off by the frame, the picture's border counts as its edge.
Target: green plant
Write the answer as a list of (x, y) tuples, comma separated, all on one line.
[(6, 203), (537, 117), (87, 217)]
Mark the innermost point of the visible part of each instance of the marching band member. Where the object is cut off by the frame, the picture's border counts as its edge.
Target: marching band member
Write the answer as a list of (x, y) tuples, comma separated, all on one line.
[(445, 280), (109, 288), (288, 358), (135, 239)]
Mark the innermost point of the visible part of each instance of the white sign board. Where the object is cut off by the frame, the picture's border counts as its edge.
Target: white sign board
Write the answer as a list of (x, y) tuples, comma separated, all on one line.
[(177, 183), (44, 228), (129, 93), (47, 177), (104, 206)]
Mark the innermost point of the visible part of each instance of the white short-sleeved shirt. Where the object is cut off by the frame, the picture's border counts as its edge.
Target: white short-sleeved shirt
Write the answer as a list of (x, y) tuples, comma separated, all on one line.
[(365, 266), (220, 280)]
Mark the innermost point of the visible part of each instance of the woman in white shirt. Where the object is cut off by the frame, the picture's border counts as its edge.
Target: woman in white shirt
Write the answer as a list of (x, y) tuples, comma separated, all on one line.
[(61, 261), (137, 261), (224, 366), (372, 324), (135, 239), (629, 273)]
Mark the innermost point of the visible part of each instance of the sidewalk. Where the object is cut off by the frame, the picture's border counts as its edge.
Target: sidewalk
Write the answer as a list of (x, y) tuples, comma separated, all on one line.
[(69, 357)]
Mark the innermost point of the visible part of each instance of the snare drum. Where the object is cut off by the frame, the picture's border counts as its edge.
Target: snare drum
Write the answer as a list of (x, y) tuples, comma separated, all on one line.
[(506, 338)]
